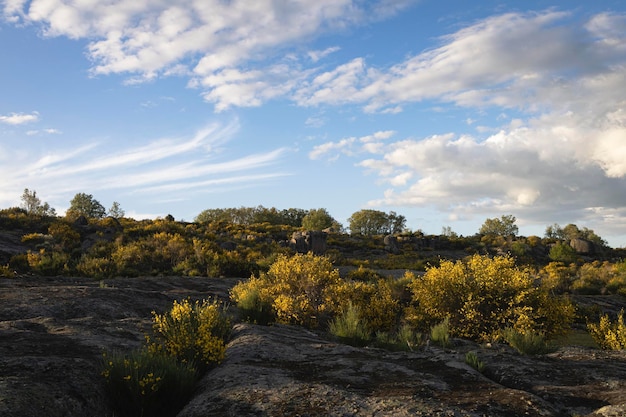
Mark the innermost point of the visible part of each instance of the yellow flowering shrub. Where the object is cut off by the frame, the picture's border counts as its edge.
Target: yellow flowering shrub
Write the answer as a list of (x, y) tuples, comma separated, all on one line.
[(482, 295), (301, 289), (148, 384), (193, 333), (375, 302), (607, 334)]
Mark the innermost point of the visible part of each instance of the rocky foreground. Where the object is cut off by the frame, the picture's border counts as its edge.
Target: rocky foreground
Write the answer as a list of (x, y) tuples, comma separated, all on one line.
[(53, 332)]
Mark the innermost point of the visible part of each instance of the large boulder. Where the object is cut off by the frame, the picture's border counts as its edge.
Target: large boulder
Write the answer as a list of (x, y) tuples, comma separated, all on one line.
[(582, 246), (309, 241), (391, 244)]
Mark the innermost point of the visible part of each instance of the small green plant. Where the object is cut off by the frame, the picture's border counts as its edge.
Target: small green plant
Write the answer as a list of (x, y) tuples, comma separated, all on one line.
[(440, 333), (147, 384), (405, 339), (6, 271), (471, 358), (527, 343), (607, 334), (349, 327)]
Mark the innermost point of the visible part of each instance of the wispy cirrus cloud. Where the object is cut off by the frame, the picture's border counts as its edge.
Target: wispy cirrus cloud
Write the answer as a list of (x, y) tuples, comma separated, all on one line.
[(175, 164)]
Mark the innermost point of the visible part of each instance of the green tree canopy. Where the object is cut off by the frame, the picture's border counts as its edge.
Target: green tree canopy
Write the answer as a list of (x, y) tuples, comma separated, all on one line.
[(318, 219), (252, 215), (85, 205), (116, 211), (375, 222), (571, 231), (503, 226), (33, 205)]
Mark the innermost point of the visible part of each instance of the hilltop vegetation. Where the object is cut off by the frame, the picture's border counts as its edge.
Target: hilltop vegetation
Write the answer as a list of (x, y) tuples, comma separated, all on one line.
[(374, 283)]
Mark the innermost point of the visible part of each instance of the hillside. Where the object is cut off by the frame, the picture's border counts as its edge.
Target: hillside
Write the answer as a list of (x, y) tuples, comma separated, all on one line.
[(53, 332)]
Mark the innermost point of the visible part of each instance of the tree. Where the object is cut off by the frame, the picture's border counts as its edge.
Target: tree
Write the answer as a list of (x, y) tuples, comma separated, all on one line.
[(562, 252), (116, 211), (32, 204), (554, 232), (85, 205), (571, 231), (504, 226), (375, 222), (317, 219)]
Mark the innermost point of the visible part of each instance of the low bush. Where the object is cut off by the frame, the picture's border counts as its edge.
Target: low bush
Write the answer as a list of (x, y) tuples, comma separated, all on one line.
[(404, 339), (472, 359), (350, 327), (6, 271), (193, 333), (252, 306), (302, 289), (527, 343), (440, 333), (609, 335), (148, 384)]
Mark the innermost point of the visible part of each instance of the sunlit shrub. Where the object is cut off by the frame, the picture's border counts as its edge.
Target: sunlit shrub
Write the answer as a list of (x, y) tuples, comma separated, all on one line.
[(132, 259), (364, 274), (194, 333), (482, 295), (592, 277), (557, 277), (148, 384), (609, 335), (96, 267), (253, 306), (375, 301), (64, 235), (48, 262), (302, 289)]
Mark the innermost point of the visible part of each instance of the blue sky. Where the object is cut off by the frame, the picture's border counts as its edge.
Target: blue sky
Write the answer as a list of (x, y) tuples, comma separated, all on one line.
[(448, 112)]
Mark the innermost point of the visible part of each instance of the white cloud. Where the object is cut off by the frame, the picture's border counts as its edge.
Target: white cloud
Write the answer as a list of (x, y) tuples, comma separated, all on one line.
[(184, 163), (317, 55), (352, 145), (19, 118), (200, 38)]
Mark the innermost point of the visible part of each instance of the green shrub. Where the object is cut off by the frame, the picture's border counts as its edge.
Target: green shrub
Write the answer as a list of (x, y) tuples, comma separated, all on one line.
[(609, 335), (350, 328), (193, 333), (527, 343), (406, 339), (471, 358), (147, 384), (440, 333)]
